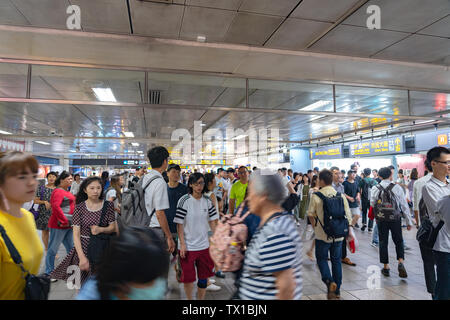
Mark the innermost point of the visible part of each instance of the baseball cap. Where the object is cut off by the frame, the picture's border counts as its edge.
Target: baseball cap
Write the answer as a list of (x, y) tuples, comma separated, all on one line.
[(173, 166), (316, 168)]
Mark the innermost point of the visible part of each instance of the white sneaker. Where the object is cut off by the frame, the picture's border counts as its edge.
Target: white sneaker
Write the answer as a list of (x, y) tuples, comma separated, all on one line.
[(213, 287), (53, 280), (212, 281)]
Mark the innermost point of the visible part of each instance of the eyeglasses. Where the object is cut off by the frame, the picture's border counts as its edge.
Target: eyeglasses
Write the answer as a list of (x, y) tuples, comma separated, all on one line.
[(444, 162), (199, 184)]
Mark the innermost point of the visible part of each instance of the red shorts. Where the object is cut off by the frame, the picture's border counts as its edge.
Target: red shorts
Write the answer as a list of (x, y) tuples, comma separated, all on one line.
[(196, 259)]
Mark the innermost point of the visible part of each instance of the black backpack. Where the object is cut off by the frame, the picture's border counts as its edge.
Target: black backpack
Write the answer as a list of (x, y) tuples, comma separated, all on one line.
[(366, 186), (335, 223), (427, 234)]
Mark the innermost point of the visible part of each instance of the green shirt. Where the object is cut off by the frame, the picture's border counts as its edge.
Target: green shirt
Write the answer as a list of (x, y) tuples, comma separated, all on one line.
[(238, 192)]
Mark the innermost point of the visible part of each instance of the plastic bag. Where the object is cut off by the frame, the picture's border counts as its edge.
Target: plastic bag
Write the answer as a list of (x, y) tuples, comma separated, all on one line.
[(352, 241)]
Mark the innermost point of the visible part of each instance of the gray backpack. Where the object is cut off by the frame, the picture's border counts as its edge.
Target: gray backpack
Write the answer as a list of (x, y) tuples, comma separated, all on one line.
[(132, 210), (386, 208)]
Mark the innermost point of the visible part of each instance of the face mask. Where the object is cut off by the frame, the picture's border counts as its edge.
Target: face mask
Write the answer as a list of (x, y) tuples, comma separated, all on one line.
[(155, 292)]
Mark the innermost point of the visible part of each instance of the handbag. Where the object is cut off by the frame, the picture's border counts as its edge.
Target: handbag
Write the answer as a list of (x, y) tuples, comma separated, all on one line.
[(100, 242), (36, 287), (427, 233)]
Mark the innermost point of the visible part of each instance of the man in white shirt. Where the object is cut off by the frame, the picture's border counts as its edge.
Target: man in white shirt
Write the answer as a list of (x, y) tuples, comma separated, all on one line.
[(395, 226), (436, 189), (156, 197)]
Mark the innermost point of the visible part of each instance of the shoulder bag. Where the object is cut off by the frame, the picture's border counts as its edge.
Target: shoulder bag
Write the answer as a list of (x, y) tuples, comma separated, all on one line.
[(36, 287)]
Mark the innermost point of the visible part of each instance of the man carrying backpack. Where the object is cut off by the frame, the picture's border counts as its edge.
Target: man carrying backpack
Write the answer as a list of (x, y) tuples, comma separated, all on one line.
[(435, 190), (330, 215), (365, 186), (156, 196), (389, 205)]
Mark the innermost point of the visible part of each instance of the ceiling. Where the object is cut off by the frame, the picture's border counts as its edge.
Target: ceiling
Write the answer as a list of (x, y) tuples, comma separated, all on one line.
[(304, 45)]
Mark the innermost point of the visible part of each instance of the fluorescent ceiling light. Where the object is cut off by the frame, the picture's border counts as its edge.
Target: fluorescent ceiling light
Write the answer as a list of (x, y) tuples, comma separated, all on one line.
[(315, 105), (135, 144), (129, 134), (72, 151), (139, 151), (42, 142), (104, 94), (240, 137), (4, 132)]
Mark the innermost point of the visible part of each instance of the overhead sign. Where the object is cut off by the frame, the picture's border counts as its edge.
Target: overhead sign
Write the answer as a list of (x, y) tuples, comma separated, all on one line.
[(391, 145), (427, 140), (11, 145), (329, 152), (131, 162)]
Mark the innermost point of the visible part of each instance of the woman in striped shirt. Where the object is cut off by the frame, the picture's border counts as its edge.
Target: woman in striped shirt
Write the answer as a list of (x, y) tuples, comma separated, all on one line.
[(272, 265)]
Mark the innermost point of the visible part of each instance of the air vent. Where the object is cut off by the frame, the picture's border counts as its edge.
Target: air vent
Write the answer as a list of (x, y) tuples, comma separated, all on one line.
[(154, 97)]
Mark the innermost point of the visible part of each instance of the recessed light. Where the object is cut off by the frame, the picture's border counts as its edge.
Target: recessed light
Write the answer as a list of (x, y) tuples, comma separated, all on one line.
[(135, 144), (42, 142), (104, 94), (201, 38), (4, 132), (129, 134)]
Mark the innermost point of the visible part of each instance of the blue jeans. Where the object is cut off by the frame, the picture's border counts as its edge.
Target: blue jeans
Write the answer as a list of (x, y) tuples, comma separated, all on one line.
[(57, 236), (375, 238), (442, 289), (335, 249)]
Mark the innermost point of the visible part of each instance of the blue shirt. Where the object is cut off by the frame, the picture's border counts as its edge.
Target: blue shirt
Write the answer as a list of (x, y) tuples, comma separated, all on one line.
[(174, 195), (89, 290)]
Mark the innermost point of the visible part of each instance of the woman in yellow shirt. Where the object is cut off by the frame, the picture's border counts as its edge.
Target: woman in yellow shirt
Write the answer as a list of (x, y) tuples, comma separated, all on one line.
[(18, 183)]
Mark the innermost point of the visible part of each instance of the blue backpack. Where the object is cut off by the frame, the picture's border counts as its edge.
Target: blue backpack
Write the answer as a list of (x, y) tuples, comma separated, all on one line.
[(335, 223)]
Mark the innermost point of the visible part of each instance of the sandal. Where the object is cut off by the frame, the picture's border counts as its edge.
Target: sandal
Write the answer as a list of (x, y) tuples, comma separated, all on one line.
[(348, 262)]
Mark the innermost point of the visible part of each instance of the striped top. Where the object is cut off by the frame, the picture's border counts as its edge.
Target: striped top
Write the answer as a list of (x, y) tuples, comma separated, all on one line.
[(274, 247), (194, 215)]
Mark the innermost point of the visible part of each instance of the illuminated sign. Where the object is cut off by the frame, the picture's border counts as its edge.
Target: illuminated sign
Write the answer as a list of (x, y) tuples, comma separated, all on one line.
[(390, 145), (427, 140), (131, 162), (329, 152)]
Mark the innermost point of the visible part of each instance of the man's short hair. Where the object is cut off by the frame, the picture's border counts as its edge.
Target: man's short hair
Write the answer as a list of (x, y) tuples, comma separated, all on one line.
[(283, 169), (157, 155), (219, 170), (309, 171), (433, 154), (243, 167), (173, 166), (290, 170), (353, 166), (334, 168), (385, 173), (367, 172), (391, 167), (349, 172), (326, 176), (230, 170), (375, 170)]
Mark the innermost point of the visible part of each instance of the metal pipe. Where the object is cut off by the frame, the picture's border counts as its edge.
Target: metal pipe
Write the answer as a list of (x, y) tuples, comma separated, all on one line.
[(29, 82)]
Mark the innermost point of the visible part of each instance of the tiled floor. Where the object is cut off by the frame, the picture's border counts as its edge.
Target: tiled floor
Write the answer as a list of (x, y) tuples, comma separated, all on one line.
[(354, 286)]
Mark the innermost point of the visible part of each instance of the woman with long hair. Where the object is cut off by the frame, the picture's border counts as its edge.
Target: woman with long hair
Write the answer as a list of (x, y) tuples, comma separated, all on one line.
[(86, 221), (114, 192), (134, 267), (18, 183), (305, 192), (43, 196), (63, 204)]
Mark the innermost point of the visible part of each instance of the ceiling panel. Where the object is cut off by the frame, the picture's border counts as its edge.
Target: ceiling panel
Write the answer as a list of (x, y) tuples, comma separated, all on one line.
[(219, 4), (356, 41), (295, 34), (277, 8), (49, 13), (424, 103), (403, 15), (212, 23), (323, 10), (156, 19), (253, 29), (419, 48), (231, 98), (13, 80), (440, 28), (10, 15), (104, 15)]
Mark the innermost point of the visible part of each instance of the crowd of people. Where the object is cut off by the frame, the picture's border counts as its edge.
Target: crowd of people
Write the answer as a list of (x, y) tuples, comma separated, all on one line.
[(185, 209)]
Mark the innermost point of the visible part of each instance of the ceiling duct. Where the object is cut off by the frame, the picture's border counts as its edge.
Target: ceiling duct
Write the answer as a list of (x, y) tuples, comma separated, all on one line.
[(154, 97)]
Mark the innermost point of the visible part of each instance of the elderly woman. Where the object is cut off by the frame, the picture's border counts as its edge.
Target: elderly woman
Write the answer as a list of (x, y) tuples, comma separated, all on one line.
[(272, 265)]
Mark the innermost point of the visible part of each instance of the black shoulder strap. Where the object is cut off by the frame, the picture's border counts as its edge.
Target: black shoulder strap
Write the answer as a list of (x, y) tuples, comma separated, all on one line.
[(15, 255), (102, 217), (320, 195), (390, 187)]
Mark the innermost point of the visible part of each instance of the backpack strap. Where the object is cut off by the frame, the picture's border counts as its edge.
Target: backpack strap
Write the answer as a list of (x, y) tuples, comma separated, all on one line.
[(15, 255), (144, 188), (322, 197)]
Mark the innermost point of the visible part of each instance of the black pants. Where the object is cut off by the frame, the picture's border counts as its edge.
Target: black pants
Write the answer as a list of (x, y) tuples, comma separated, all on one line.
[(396, 231), (428, 268), (365, 204), (344, 249)]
